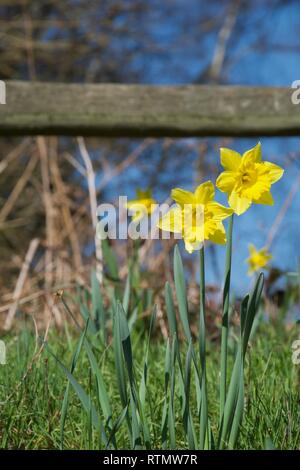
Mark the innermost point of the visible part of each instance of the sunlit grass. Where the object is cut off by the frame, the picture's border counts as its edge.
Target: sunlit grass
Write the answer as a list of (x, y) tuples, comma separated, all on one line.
[(30, 409)]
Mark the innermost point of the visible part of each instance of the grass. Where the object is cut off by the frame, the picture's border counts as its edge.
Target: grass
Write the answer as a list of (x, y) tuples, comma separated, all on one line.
[(30, 409), (115, 382)]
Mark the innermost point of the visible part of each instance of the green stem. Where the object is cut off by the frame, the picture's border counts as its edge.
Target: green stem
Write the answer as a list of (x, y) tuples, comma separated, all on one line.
[(225, 319), (202, 336)]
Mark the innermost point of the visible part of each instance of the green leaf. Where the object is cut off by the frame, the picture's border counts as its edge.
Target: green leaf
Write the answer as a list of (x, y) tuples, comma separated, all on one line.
[(244, 306), (252, 307), (143, 384), (187, 418), (110, 260), (126, 296), (102, 393), (120, 369), (117, 425), (98, 312), (269, 445), (170, 310), (238, 415), (181, 293)]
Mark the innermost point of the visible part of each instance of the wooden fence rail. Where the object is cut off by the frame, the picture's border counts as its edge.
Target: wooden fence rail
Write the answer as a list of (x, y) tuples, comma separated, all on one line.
[(112, 110)]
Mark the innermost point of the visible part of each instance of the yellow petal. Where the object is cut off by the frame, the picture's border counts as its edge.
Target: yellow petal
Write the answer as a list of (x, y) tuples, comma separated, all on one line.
[(182, 197), (226, 181), (230, 159), (253, 155), (204, 193), (194, 233), (172, 221), (218, 236), (218, 211), (265, 198), (275, 171), (238, 204)]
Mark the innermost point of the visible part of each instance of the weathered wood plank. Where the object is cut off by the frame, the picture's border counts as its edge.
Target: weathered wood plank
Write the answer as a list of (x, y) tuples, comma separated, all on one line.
[(113, 110)]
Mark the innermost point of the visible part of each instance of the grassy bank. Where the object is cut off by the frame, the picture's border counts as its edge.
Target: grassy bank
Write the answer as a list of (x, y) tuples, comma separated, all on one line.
[(30, 410)]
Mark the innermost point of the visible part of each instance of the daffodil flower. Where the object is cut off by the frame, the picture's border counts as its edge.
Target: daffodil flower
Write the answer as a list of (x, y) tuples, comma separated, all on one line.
[(247, 179), (258, 259), (197, 217), (143, 205)]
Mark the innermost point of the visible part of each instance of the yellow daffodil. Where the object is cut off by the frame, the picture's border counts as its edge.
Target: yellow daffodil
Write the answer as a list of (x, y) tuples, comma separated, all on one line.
[(258, 259), (247, 179), (143, 205), (197, 217)]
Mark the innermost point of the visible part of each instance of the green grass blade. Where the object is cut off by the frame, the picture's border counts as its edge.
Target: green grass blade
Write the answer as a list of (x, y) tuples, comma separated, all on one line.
[(82, 395), (117, 424), (103, 398)]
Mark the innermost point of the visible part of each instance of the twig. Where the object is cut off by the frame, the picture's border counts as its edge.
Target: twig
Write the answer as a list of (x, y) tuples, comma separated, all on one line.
[(66, 213), (50, 227), (36, 295), (18, 189), (20, 283), (16, 152), (129, 160), (223, 38), (93, 205)]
